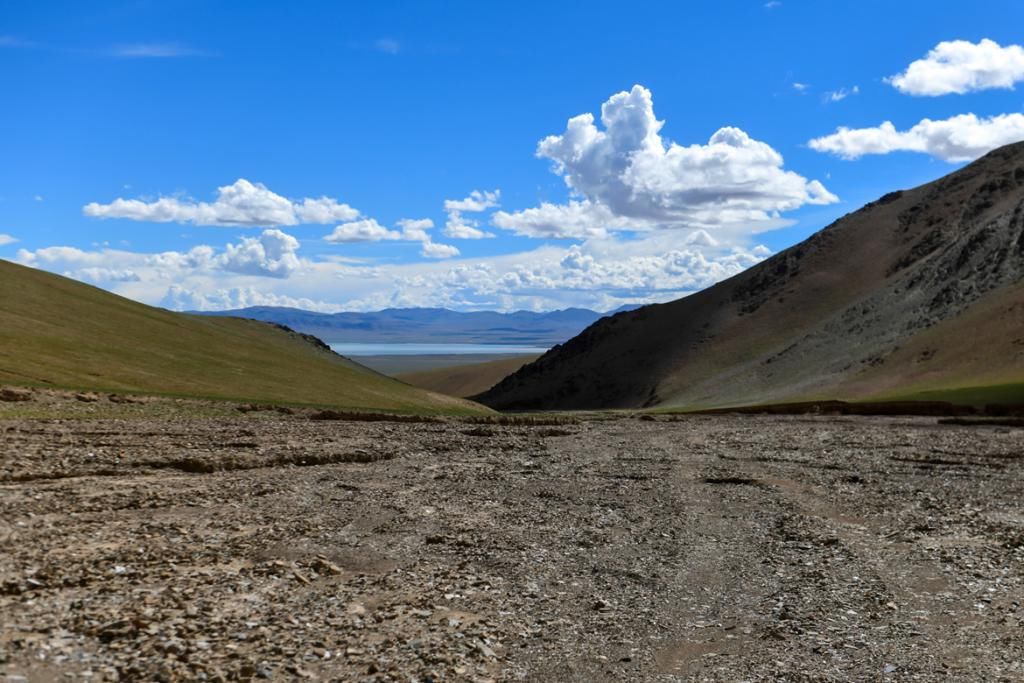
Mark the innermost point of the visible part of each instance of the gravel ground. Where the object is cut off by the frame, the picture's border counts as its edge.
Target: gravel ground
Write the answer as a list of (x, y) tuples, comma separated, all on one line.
[(178, 541)]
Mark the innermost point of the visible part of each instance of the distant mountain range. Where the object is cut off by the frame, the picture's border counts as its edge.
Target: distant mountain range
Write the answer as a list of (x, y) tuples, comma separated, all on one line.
[(430, 325), (919, 295)]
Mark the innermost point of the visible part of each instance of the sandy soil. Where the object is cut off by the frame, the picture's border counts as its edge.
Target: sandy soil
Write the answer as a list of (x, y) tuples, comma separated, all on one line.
[(465, 381), (169, 543)]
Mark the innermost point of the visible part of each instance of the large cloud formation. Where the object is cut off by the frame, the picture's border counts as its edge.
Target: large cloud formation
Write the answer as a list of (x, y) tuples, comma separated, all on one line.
[(959, 66), (625, 177), (248, 204), (272, 254), (265, 270), (958, 138), (242, 203)]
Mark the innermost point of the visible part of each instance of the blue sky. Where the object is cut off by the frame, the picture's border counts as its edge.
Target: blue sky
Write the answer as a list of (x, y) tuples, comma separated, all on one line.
[(382, 112)]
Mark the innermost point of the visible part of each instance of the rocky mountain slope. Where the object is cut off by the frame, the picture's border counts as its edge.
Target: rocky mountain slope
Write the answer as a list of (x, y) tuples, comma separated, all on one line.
[(917, 294), (58, 332)]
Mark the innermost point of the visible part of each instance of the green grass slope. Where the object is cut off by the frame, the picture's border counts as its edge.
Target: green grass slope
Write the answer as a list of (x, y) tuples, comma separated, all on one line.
[(58, 332)]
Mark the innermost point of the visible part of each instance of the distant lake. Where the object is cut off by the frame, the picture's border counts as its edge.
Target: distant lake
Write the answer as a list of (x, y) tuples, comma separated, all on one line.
[(352, 349)]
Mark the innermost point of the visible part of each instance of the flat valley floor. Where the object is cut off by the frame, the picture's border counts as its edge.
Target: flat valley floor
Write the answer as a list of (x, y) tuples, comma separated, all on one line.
[(174, 540)]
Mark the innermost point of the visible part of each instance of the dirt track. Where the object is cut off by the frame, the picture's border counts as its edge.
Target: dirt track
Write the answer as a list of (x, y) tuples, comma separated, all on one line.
[(711, 548)]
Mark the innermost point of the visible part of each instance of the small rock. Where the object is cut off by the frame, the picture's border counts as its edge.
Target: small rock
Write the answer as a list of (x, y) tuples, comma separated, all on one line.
[(15, 395), (484, 650)]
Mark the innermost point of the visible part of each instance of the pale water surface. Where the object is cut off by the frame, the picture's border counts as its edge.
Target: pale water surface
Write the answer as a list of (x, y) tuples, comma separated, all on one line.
[(354, 349)]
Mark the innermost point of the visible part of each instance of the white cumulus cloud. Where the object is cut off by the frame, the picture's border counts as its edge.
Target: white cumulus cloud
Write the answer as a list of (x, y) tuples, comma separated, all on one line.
[(574, 220), (322, 211), (242, 203), (458, 226), (182, 298), (627, 170), (599, 273), (958, 138), (476, 201), (701, 238), (415, 229), (366, 230), (272, 254), (104, 275), (412, 230), (438, 251), (959, 66), (6, 239)]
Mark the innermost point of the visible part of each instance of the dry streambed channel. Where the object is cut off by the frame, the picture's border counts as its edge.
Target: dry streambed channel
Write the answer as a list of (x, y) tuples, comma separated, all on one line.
[(166, 545)]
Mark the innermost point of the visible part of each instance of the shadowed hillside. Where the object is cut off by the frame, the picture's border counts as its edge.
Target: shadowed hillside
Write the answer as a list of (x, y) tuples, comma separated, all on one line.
[(58, 332), (918, 294)]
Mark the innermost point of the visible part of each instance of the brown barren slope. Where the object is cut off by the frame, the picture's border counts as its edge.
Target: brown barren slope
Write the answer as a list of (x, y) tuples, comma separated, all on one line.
[(836, 316), (465, 380)]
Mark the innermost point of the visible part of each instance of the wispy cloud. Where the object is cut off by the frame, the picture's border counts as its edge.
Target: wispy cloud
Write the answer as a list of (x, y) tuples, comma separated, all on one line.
[(121, 50), (158, 50), (801, 87), (841, 94), (6, 239), (388, 46), (384, 45), (772, 4), (12, 41)]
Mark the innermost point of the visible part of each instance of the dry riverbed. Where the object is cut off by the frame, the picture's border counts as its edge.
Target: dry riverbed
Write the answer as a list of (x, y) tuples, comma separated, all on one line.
[(175, 540)]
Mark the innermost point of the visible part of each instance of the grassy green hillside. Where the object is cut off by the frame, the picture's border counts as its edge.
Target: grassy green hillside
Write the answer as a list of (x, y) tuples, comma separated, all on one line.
[(58, 332)]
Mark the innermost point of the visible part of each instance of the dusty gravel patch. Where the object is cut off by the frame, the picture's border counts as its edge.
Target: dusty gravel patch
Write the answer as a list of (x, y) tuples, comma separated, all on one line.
[(262, 545)]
